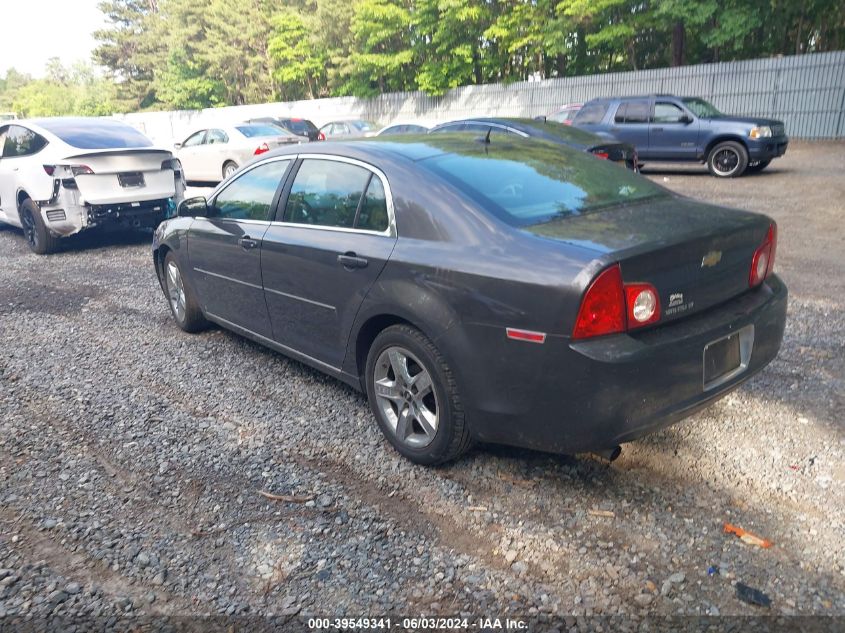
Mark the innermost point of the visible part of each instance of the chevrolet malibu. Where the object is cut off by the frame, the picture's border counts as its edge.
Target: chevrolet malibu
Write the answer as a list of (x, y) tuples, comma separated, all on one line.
[(510, 290)]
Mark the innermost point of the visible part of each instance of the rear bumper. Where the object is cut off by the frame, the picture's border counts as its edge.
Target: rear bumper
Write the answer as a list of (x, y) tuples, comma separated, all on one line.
[(572, 397), (767, 149)]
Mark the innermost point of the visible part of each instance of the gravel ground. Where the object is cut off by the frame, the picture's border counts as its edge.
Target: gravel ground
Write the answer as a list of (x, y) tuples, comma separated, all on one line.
[(132, 456)]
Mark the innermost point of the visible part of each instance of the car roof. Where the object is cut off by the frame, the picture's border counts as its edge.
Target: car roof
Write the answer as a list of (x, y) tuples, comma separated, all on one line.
[(540, 129)]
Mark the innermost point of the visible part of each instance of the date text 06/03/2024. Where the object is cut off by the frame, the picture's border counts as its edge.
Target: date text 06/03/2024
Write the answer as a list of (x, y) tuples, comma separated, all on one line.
[(418, 623)]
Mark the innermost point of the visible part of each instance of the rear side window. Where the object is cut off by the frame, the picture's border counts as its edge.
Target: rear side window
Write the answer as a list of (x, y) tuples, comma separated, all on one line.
[(96, 133), (633, 112), (256, 129), (250, 196), (591, 113), (20, 141), (326, 193), (373, 213)]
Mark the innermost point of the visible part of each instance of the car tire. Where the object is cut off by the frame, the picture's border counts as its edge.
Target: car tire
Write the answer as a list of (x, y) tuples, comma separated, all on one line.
[(414, 397), (727, 160), (229, 168), (758, 166), (183, 305), (37, 235)]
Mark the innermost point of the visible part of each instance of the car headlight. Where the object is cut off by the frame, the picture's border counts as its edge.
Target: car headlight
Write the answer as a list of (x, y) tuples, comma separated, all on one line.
[(762, 131)]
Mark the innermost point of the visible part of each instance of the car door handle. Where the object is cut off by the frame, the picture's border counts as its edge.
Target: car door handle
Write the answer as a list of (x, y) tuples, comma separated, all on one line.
[(247, 243), (351, 260), (657, 129)]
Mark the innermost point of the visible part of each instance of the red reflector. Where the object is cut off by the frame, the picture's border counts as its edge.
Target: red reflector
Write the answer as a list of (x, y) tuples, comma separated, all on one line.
[(603, 306), (261, 149), (526, 335), (321, 137), (603, 155), (763, 261)]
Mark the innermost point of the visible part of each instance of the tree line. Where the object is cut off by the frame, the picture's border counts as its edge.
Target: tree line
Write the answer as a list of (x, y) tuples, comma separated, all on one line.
[(186, 54)]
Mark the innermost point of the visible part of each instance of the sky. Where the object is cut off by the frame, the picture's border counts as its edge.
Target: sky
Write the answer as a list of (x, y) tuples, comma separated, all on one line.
[(57, 28)]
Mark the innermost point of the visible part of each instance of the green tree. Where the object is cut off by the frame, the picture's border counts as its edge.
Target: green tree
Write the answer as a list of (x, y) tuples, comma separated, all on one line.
[(299, 62)]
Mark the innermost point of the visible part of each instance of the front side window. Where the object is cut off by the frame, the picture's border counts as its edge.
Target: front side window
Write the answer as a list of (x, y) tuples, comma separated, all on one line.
[(250, 195), (667, 113), (633, 112), (590, 114), (194, 139), (22, 142), (326, 193)]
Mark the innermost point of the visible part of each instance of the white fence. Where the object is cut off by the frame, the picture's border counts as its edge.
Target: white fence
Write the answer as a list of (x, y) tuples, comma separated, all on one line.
[(807, 92)]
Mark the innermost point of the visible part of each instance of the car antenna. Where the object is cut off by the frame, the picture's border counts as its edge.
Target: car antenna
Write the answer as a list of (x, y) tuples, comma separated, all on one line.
[(487, 136)]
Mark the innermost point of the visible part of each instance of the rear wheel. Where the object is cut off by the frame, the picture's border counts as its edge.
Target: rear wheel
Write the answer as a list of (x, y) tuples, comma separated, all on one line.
[(38, 237), (727, 160), (183, 305), (758, 166), (229, 168), (415, 398)]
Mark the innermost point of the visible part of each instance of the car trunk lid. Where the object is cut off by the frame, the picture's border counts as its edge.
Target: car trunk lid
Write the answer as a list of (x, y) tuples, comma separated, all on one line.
[(695, 255), (122, 175)]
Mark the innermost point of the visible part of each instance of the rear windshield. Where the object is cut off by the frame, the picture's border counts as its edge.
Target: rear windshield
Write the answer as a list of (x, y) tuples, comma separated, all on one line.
[(95, 134), (301, 126), (567, 133), (528, 182), (257, 129)]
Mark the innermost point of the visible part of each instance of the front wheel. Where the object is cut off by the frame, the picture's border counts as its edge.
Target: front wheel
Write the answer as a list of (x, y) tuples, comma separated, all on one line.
[(38, 237), (727, 160), (183, 305), (415, 398)]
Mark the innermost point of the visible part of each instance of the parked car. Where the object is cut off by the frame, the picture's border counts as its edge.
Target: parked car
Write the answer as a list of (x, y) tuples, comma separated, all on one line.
[(402, 128), (516, 291), (669, 128), (300, 127), (353, 128), (8, 116), (601, 147), (64, 175), (214, 153), (564, 114)]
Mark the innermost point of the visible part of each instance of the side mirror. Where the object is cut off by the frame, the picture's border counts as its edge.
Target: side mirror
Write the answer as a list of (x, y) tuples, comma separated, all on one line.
[(685, 119), (193, 208), (177, 145)]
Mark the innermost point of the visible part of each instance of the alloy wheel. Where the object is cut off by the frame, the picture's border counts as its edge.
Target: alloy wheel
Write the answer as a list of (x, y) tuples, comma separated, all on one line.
[(726, 161), (29, 230), (405, 396), (176, 291)]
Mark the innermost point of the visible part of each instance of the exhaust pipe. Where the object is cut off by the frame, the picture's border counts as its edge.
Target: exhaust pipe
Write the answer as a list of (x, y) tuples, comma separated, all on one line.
[(610, 454)]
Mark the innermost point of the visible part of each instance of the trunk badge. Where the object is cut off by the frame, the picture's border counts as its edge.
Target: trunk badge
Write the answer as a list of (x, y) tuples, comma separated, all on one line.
[(711, 259), (676, 299)]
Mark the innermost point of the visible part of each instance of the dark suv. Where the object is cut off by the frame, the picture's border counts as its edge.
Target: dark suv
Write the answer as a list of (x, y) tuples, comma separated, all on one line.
[(300, 127), (668, 128)]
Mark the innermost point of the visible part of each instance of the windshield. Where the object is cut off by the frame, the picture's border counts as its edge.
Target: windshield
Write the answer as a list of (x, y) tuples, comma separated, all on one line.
[(364, 126), (95, 133), (528, 181), (261, 130), (701, 108)]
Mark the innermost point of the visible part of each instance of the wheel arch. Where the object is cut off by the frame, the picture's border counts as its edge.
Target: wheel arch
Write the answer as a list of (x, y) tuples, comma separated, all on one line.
[(722, 138), (366, 335)]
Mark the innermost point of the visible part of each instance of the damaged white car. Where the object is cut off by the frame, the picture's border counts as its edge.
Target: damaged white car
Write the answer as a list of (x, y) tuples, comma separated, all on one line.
[(64, 175)]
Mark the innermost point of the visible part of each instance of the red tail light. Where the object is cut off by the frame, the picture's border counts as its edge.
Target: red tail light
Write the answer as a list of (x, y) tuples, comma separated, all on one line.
[(49, 169), (611, 307), (763, 261), (603, 155), (261, 149), (603, 307), (81, 170), (321, 137)]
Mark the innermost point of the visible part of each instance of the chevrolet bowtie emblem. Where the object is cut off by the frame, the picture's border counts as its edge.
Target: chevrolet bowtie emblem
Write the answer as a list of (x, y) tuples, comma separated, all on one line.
[(711, 259)]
